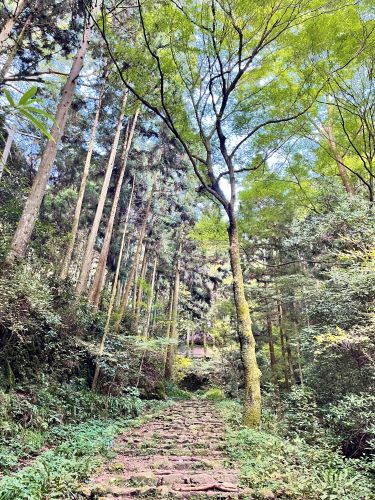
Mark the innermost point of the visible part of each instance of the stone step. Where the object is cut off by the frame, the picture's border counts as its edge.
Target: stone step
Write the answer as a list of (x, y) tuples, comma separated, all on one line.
[(178, 454)]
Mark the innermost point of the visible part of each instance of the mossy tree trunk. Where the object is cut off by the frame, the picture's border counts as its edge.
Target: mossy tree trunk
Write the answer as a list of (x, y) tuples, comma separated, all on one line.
[(252, 396)]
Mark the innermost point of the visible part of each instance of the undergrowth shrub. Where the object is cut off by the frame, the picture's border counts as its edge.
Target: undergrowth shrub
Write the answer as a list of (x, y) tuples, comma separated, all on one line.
[(60, 471), (173, 391), (273, 466), (352, 420), (215, 393), (30, 420), (301, 415)]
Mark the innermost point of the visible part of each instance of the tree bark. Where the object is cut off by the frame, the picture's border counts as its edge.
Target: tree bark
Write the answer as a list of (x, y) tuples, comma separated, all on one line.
[(113, 293), (282, 342), (290, 359), (97, 286), (150, 300), (13, 51), (155, 311), (130, 279), (32, 206), (271, 349), (252, 396), (139, 297), (205, 345), (173, 334), (10, 22), (87, 259), (136, 279), (82, 188), (7, 148)]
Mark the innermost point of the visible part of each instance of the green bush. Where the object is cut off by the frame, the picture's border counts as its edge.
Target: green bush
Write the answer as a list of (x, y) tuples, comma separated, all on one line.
[(174, 392), (215, 393), (301, 415), (60, 471), (293, 469), (273, 466), (26, 427), (353, 422)]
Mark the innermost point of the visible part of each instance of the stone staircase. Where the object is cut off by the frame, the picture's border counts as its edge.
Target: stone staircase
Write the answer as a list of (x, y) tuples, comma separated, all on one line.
[(178, 454)]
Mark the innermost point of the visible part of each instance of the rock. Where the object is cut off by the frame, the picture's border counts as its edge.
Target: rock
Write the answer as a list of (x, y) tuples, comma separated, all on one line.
[(85, 491), (201, 479), (144, 478), (266, 494), (120, 491), (116, 467), (178, 454), (174, 478)]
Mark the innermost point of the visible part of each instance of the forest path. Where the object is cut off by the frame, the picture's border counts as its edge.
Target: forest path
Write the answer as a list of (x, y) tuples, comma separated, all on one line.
[(178, 454)]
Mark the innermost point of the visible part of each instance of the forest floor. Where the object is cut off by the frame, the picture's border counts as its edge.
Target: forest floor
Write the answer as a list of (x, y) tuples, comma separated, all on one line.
[(178, 454)]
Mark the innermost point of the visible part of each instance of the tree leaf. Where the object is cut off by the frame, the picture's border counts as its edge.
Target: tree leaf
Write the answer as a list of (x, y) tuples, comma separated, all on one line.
[(39, 111), (9, 98), (36, 122), (27, 95)]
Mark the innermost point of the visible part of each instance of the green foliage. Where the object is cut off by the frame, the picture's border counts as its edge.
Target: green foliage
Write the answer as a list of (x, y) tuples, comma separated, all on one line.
[(352, 421), (181, 367), (26, 109), (173, 391), (211, 233), (44, 414), (214, 393), (57, 473), (290, 468), (41, 321), (301, 417)]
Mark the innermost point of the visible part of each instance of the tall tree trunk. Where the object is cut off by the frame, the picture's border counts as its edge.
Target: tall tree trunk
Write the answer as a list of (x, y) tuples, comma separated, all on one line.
[(10, 22), (7, 148), (113, 293), (204, 344), (150, 300), (82, 188), (349, 188), (173, 334), (136, 279), (271, 349), (32, 206), (119, 293), (139, 297), (97, 286), (283, 349), (133, 292), (192, 343), (252, 396), (188, 334), (13, 51), (155, 311), (133, 269), (87, 259), (290, 359)]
